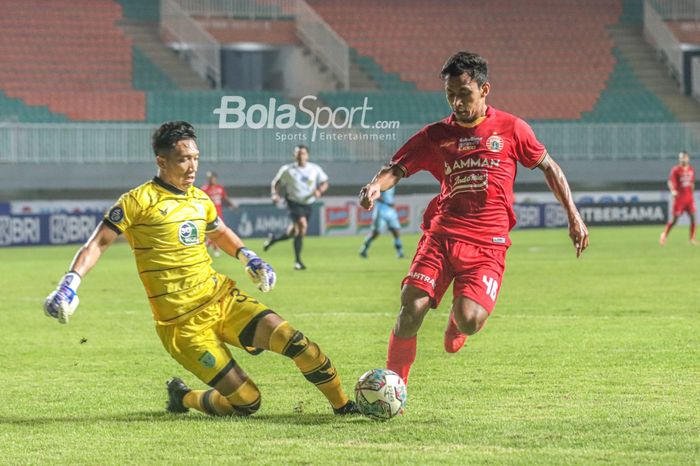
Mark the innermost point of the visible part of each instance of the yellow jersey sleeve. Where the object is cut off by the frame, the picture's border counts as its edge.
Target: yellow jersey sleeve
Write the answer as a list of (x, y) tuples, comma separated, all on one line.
[(210, 214), (124, 213)]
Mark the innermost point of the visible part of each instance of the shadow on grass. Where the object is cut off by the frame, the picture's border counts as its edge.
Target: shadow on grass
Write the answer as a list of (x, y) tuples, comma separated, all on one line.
[(162, 416)]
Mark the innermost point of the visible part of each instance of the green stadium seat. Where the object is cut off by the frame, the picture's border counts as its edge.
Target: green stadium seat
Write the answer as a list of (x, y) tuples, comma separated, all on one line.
[(542, 77), (15, 110), (147, 76), (141, 10), (388, 81), (625, 99), (196, 106)]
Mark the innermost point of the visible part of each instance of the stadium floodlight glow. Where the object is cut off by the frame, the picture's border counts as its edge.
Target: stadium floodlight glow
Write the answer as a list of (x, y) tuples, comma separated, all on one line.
[(235, 113)]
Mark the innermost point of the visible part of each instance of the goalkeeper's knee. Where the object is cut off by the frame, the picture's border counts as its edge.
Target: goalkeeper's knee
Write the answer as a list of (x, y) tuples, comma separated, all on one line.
[(285, 340), (245, 400)]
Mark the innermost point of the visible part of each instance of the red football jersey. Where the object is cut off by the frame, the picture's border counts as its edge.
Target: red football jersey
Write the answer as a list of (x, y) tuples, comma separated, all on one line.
[(476, 167), (217, 193), (683, 180)]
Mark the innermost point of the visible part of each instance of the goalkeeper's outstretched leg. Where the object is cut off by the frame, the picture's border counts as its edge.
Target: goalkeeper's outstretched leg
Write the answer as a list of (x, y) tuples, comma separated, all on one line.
[(276, 334), (233, 392)]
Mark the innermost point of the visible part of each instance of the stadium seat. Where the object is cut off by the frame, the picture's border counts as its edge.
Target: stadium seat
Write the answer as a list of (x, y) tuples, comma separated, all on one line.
[(72, 59), (534, 69), (196, 106)]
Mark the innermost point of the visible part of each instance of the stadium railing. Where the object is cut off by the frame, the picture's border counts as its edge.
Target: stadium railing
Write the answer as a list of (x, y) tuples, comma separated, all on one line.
[(123, 143), (324, 42), (177, 22), (695, 64), (663, 38), (677, 9), (248, 9), (187, 35)]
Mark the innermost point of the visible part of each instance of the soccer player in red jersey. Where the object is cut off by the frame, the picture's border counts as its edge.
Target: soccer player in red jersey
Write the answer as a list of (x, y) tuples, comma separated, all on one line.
[(218, 196), (473, 153), (681, 183)]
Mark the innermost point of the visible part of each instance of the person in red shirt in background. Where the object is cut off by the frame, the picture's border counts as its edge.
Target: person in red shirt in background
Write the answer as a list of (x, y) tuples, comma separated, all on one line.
[(681, 183), (473, 153), (218, 195)]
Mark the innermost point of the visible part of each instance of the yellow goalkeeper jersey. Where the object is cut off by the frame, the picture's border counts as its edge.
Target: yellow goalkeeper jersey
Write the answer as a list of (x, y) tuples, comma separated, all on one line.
[(166, 230)]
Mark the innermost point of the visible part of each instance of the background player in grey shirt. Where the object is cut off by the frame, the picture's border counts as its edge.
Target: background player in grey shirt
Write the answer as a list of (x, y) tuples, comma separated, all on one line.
[(300, 183)]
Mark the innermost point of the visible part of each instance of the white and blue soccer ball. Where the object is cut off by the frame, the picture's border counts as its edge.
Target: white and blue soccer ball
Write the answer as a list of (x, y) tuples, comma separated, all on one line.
[(381, 394)]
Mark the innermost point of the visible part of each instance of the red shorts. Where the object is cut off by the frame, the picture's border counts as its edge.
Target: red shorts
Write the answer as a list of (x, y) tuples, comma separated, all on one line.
[(476, 270), (683, 204)]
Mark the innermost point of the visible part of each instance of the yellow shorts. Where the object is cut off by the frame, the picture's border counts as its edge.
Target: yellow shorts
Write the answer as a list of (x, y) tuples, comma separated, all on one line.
[(198, 343)]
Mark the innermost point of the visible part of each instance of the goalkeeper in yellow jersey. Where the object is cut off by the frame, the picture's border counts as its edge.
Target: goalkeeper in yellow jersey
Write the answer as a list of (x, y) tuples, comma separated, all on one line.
[(196, 310)]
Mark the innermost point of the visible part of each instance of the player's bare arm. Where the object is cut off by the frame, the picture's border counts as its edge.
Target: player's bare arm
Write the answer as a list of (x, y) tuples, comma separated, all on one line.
[(322, 188), (63, 301), (226, 239), (88, 255), (275, 190), (386, 178), (560, 188), (259, 271), (229, 203)]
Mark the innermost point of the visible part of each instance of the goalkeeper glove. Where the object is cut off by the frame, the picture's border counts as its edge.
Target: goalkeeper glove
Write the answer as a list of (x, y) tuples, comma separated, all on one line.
[(257, 269), (63, 301)]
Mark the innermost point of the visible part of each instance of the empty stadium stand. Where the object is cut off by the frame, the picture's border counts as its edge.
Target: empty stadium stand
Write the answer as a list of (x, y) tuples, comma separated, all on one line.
[(71, 58), (16, 110), (141, 10), (626, 99), (384, 80), (147, 76), (535, 71), (74, 62)]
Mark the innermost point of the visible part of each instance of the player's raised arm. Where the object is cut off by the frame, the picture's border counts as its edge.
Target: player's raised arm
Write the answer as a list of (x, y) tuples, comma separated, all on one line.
[(63, 301), (321, 182), (227, 200), (560, 187), (259, 271), (386, 178), (276, 184), (229, 203), (322, 188)]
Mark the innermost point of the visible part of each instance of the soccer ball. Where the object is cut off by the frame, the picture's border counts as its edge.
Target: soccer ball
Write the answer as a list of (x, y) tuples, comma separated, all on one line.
[(380, 394)]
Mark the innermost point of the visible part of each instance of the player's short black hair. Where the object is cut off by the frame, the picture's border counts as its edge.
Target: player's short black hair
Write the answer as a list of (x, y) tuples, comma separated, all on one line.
[(210, 174), (466, 62), (169, 133), (300, 147)]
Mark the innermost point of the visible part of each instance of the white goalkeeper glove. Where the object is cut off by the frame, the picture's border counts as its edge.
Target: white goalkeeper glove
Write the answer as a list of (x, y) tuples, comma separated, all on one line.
[(63, 301), (257, 269)]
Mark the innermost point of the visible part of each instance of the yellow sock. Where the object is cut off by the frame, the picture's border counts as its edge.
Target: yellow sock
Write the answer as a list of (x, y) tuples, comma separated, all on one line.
[(310, 360), (334, 392), (209, 402), (245, 400)]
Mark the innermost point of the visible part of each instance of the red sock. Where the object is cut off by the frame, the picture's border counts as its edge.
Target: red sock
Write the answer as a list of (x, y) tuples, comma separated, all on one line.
[(454, 339), (692, 231), (401, 354), (668, 228)]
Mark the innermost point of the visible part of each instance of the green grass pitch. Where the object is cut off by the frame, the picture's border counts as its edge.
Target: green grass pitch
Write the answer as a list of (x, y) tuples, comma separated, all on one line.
[(595, 361)]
